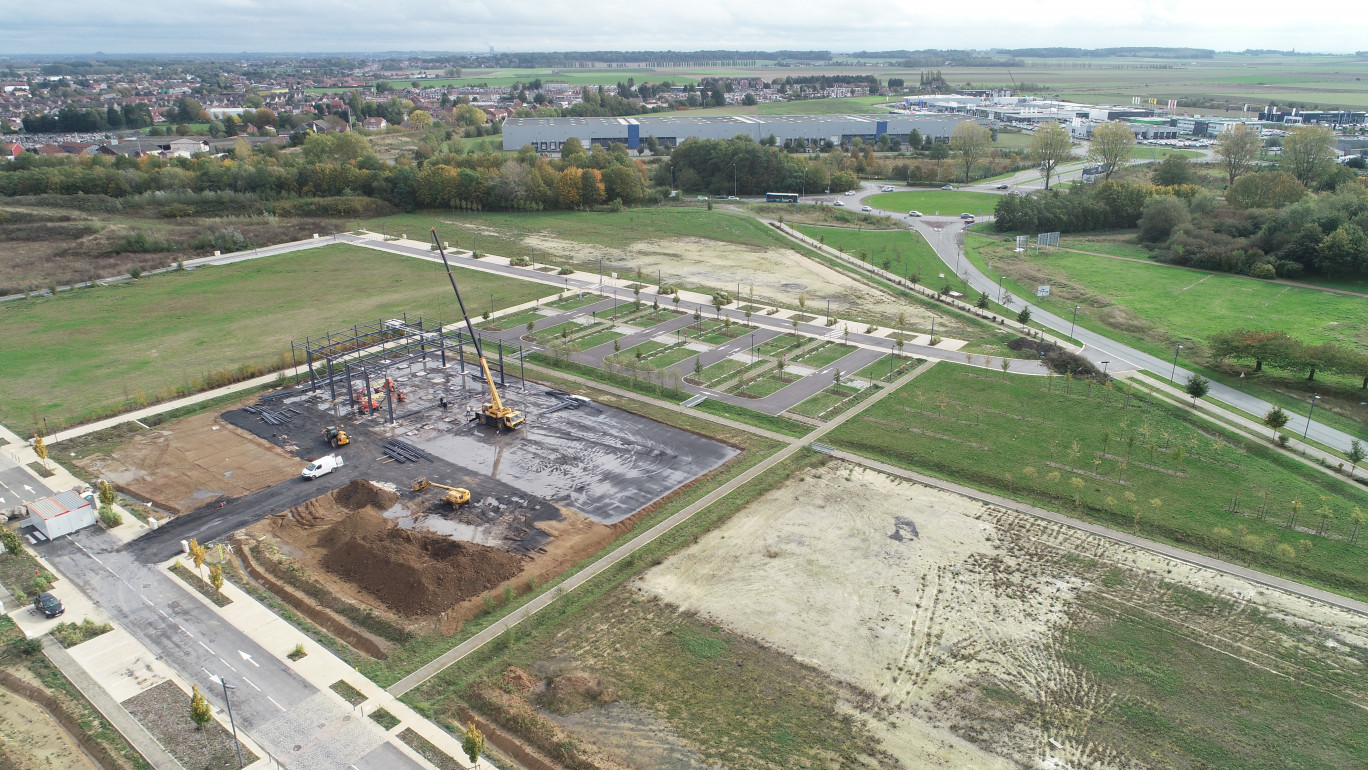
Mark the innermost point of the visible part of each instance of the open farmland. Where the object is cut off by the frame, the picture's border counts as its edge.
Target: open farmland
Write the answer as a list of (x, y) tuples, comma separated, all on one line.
[(92, 350), (1121, 459)]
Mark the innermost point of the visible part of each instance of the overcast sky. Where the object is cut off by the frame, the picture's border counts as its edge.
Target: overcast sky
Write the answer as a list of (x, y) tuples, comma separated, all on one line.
[(213, 26)]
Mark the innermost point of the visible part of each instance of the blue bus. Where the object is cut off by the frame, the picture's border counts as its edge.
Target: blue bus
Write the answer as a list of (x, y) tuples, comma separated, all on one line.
[(781, 197)]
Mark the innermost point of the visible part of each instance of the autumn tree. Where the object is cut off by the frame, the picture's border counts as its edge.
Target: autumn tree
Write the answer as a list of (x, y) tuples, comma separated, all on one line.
[(1307, 152), (200, 712), (1050, 147), (1265, 190), (420, 119), (971, 142), (1113, 144), (473, 743), (198, 554), (570, 186), (216, 577), (1237, 150)]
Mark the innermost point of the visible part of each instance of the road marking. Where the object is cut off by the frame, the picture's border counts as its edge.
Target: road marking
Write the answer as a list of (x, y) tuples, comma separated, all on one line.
[(248, 658), (27, 487), (248, 681), (226, 663), (277, 705), (205, 646)]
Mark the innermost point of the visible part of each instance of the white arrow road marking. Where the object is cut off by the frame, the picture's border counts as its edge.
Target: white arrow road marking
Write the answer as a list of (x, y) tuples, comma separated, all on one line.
[(248, 658), (29, 488)]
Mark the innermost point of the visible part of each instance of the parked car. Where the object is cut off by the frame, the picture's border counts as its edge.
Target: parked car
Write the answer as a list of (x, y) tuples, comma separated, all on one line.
[(702, 197), (947, 187), (733, 198), (322, 466), (914, 213), (865, 208), (1003, 187), (968, 218), (839, 203), (49, 605), (888, 188), (720, 197)]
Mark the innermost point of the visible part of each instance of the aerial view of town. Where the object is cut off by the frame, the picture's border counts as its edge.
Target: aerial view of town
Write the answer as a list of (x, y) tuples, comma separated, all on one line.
[(499, 393)]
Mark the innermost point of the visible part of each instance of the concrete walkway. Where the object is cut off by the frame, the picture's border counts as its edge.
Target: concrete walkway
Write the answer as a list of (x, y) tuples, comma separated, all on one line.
[(132, 731), (1168, 551)]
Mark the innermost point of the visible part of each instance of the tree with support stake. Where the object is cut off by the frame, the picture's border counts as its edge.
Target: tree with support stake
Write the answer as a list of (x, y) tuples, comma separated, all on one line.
[(474, 742), (200, 711)]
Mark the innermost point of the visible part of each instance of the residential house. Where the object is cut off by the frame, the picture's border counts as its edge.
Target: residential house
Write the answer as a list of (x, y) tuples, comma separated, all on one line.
[(375, 124), (10, 151)]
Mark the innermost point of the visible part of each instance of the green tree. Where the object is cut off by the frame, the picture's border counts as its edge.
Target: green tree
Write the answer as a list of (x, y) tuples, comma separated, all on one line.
[(1162, 215), (1197, 386), (1237, 150), (939, 152), (420, 119), (200, 712), (216, 577), (1307, 152), (971, 142), (1024, 317), (473, 743), (1174, 170), (1355, 455), (1050, 146), (1265, 190), (1343, 252), (1112, 145), (10, 539)]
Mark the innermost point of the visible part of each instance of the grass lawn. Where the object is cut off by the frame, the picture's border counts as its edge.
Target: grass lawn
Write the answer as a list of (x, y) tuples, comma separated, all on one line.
[(720, 371), (515, 321), (751, 417), (671, 356), (763, 386), (929, 202), (89, 351), (823, 354), (574, 301), (550, 334), (905, 252), (723, 333), (1084, 450), (786, 343), (591, 341), (831, 402), (648, 317), (1121, 244)]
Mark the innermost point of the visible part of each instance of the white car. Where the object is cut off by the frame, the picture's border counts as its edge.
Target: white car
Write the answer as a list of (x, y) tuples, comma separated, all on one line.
[(849, 192), (322, 466), (865, 208), (701, 198), (914, 213), (839, 203), (888, 188), (733, 198)]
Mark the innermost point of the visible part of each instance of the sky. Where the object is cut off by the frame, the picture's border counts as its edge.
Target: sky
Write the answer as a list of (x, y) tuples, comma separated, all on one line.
[(257, 26)]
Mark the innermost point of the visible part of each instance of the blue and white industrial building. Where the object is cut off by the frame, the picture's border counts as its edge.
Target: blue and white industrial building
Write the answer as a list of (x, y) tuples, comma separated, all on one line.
[(549, 134)]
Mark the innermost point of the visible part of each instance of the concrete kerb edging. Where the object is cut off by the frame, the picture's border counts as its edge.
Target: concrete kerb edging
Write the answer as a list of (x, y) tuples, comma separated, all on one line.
[(1159, 549)]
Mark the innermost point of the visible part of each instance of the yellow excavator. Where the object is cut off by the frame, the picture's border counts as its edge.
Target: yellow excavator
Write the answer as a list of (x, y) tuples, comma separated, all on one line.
[(493, 412), (455, 495)]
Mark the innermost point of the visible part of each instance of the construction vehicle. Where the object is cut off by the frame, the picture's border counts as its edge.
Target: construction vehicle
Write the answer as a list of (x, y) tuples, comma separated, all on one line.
[(335, 436), (493, 412), (366, 402), (322, 466), (389, 385), (455, 495)]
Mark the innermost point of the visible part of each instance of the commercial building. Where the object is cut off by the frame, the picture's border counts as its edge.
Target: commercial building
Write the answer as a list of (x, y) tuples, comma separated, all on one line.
[(549, 134)]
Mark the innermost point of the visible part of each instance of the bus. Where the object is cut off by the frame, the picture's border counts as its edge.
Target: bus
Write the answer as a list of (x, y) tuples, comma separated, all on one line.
[(781, 197)]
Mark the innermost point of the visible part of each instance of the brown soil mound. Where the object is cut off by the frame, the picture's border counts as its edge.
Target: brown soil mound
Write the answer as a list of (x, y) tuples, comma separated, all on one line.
[(360, 493), (573, 693), (518, 680), (412, 573)]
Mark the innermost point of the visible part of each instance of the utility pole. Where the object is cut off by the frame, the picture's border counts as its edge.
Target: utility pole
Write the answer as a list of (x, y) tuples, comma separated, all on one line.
[(1175, 363)]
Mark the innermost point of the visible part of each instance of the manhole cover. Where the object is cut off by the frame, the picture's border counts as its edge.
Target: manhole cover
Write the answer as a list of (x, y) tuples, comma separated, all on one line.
[(298, 747)]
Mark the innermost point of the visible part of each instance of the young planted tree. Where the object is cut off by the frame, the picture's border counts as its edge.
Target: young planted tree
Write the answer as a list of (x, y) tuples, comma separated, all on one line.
[(1024, 317), (197, 555), (216, 577), (40, 449), (474, 742), (1275, 419), (1359, 518), (200, 711), (1197, 387), (1355, 455), (1005, 364), (107, 495)]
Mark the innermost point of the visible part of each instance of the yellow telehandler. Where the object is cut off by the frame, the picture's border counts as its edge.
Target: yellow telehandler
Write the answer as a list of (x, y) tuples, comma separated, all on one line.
[(455, 495)]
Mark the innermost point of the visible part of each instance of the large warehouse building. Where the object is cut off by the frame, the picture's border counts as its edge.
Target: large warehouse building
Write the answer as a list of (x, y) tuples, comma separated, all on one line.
[(548, 134)]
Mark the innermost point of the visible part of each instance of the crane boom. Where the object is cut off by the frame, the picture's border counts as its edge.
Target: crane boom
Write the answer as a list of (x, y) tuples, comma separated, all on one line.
[(495, 409)]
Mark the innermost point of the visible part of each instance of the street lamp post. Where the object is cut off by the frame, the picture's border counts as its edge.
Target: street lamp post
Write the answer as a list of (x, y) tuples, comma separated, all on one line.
[(1000, 277), (1073, 322), (231, 723), (1175, 363), (1314, 399), (733, 179), (752, 348)]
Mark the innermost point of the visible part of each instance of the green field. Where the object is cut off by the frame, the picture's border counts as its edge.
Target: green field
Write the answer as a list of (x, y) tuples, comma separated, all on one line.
[(88, 351), (905, 252), (931, 202), (1082, 450)]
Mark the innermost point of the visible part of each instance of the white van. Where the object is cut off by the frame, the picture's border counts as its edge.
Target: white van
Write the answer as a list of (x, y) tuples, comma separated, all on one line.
[(322, 466)]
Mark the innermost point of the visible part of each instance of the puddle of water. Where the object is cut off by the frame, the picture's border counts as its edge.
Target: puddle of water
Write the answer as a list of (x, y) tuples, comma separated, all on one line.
[(406, 519)]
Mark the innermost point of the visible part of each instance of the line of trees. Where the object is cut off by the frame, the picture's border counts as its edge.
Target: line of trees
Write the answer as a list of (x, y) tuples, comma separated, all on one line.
[(1278, 350)]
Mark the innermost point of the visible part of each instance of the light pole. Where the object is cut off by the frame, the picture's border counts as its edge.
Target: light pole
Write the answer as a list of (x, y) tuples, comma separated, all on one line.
[(1175, 363), (1000, 277), (1073, 322), (828, 311), (1314, 399), (600, 271), (733, 179), (752, 348), (231, 723)]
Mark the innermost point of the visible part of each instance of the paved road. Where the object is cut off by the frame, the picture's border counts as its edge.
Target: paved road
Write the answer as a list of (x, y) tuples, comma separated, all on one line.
[(281, 711), (945, 236)]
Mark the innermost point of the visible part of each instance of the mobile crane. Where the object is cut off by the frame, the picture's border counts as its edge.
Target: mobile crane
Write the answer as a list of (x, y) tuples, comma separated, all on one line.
[(493, 412), (456, 496)]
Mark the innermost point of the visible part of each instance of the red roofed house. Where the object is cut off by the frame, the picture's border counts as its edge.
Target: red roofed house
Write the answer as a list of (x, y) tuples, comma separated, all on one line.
[(61, 514), (10, 151), (375, 124)]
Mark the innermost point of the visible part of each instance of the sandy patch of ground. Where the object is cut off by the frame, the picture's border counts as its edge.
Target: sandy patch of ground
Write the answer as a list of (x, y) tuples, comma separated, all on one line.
[(775, 275), (192, 462), (32, 739), (918, 596)]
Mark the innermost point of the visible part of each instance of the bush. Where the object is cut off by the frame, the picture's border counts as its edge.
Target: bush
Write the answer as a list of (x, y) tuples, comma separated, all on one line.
[(565, 271), (1063, 362), (1263, 270), (140, 243), (110, 517), (229, 240), (10, 539), (520, 262), (72, 634)]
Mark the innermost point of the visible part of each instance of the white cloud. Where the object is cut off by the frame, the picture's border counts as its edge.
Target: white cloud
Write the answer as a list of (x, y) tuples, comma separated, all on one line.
[(157, 26)]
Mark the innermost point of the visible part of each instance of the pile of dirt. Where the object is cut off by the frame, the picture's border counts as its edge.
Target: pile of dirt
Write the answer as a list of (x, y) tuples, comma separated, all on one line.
[(412, 573), (573, 693), (360, 493), (517, 680)]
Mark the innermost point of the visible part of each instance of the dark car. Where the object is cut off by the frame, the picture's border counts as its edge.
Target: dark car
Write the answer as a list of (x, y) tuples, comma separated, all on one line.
[(1003, 186), (49, 605)]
